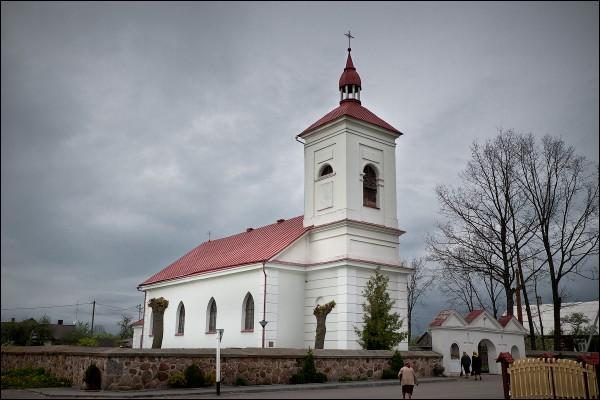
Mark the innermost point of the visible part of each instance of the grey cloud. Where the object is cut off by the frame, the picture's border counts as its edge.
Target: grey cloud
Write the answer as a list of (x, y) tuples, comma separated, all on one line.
[(129, 131)]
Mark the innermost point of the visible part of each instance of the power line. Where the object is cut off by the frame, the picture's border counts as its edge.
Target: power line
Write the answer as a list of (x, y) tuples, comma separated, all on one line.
[(35, 308), (116, 308)]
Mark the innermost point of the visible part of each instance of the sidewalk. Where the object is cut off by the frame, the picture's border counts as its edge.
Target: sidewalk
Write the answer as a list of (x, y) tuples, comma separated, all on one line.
[(168, 393)]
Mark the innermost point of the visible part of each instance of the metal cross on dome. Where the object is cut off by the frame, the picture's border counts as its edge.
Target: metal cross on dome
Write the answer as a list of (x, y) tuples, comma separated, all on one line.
[(349, 36)]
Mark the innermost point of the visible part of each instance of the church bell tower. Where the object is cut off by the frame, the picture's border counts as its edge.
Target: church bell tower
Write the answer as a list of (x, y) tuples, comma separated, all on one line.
[(350, 162), (350, 205)]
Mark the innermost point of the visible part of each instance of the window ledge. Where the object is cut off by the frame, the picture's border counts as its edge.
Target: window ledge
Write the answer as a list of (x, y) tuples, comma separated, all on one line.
[(211, 332), (247, 330), (375, 207), (179, 334), (320, 178)]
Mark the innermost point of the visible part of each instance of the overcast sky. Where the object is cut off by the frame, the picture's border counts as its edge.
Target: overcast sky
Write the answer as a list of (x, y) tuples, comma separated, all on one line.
[(131, 130)]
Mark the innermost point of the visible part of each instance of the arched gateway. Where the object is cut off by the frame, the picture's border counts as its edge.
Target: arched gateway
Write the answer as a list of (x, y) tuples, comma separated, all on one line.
[(478, 332)]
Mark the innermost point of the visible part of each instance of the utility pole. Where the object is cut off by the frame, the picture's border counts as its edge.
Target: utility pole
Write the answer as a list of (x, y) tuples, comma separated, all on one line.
[(93, 314), (139, 308)]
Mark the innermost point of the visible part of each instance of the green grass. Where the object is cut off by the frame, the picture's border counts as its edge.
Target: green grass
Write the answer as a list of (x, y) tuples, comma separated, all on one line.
[(26, 378)]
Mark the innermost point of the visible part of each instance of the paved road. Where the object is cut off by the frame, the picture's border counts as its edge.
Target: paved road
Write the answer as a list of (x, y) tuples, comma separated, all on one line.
[(489, 388)]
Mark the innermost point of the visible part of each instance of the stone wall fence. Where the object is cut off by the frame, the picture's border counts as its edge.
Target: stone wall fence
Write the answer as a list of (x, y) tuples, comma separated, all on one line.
[(131, 369)]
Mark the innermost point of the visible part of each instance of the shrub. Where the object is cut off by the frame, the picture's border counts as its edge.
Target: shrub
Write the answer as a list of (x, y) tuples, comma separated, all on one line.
[(177, 380), (297, 379), (396, 363), (241, 381), (389, 373), (210, 378), (438, 370), (308, 368), (92, 377), (308, 373), (26, 378), (320, 378), (345, 378), (194, 376), (88, 342)]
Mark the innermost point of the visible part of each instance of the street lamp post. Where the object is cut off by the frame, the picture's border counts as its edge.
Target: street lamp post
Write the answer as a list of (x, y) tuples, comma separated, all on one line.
[(263, 323), (218, 374)]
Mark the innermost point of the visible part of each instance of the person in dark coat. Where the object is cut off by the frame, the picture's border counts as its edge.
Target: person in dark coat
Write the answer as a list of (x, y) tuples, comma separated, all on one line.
[(476, 365), (465, 362)]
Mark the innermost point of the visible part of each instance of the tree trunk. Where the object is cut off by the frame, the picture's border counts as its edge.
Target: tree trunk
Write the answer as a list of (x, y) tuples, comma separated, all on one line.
[(556, 302), (409, 326), (158, 307), (321, 313), (510, 304), (528, 311), (493, 298)]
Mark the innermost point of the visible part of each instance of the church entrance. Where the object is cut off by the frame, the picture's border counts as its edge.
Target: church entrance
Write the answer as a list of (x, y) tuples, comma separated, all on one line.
[(487, 352)]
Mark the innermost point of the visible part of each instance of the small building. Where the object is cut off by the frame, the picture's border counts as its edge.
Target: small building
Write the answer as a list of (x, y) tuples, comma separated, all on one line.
[(138, 326), (544, 313), (423, 342), (452, 334)]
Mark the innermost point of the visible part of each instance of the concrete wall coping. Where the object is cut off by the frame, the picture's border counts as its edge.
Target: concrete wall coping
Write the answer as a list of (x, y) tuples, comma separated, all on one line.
[(204, 352)]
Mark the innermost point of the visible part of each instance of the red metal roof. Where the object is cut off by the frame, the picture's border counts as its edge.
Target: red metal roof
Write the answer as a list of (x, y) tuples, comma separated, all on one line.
[(351, 108), (138, 323), (472, 315), (441, 317), (349, 76), (505, 319), (253, 246)]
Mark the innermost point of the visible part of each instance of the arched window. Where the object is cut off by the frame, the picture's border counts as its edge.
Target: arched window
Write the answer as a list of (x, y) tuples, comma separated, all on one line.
[(454, 352), (369, 187), (211, 316), (326, 170), (248, 313), (180, 318), (514, 352)]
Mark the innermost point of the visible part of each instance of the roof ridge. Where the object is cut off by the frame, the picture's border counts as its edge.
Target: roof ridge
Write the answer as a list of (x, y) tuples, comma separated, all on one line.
[(252, 230)]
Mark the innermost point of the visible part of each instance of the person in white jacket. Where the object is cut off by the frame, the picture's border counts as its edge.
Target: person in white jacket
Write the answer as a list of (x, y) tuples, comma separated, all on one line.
[(408, 380)]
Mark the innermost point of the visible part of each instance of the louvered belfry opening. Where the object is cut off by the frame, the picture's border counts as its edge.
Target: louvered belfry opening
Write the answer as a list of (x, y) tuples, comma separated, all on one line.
[(369, 187)]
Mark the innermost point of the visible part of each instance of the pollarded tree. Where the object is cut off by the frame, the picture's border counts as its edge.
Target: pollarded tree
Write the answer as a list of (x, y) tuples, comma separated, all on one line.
[(381, 327), (321, 312), (158, 306)]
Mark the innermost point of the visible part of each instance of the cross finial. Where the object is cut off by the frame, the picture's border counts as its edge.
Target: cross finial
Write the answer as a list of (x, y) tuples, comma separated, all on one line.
[(349, 36)]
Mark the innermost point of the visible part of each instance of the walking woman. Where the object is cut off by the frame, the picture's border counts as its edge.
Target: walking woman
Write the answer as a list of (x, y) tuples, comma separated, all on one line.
[(408, 380), (465, 361), (476, 365)]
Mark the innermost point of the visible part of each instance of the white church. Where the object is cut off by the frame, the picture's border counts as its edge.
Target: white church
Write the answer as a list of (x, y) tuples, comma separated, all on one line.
[(278, 273)]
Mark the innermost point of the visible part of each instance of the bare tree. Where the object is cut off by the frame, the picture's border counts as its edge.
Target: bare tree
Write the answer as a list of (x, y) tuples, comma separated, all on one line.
[(486, 227), (417, 284), (458, 286), (562, 189)]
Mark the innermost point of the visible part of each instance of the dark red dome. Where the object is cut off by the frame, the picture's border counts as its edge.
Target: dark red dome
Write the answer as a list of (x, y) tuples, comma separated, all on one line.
[(349, 76)]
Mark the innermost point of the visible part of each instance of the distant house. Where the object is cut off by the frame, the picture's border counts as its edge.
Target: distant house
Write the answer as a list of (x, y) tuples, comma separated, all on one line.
[(588, 309), (59, 333), (423, 342)]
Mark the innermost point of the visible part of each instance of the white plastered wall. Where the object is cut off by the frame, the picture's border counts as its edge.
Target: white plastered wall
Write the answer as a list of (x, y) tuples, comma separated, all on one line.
[(468, 339), (228, 289), (345, 284), (137, 337), (348, 145)]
